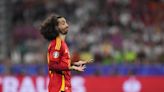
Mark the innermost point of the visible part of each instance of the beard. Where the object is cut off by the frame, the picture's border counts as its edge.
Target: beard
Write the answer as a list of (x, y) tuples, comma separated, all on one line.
[(63, 32)]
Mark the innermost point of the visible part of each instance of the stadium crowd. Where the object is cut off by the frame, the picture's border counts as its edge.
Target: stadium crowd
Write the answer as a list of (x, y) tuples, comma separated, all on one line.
[(122, 36)]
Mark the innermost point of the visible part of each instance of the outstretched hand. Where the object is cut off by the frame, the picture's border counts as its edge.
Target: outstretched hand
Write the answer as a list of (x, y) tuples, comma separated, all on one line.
[(81, 62), (79, 68)]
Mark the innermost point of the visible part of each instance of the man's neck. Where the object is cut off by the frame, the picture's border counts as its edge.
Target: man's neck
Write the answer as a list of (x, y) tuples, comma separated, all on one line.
[(62, 36)]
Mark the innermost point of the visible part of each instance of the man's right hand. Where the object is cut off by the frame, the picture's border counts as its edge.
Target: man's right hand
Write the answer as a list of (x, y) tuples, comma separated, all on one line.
[(83, 62)]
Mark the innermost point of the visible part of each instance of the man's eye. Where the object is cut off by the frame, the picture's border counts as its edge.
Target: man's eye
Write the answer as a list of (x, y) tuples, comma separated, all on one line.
[(63, 23)]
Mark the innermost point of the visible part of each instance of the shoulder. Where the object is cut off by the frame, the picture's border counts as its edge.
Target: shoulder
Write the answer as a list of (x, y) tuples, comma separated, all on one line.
[(55, 44)]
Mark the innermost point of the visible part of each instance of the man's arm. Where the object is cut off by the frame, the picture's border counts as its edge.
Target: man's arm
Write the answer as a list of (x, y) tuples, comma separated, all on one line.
[(64, 67), (61, 64), (57, 61)]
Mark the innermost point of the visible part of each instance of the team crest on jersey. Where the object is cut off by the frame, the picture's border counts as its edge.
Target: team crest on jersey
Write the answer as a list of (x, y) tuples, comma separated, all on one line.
[(56, 54)]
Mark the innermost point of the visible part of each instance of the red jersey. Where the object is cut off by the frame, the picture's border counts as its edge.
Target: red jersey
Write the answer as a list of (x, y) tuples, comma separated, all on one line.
[(58, 64)]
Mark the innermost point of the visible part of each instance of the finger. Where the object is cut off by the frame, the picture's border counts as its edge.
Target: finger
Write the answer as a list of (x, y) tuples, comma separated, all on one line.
[(90, 61), (81, 70), (84, 66)]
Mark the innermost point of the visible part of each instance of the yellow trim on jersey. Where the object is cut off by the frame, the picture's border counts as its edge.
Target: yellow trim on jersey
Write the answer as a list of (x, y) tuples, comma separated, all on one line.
[(58, 43), (48, 59), (49, 46), (69, 63), (63, 84)]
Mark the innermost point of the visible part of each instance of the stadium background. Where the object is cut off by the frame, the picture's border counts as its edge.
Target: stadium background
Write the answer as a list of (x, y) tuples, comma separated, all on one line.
[(125, 38)]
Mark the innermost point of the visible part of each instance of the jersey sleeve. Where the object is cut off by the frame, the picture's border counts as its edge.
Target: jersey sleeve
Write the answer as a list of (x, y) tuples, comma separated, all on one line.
[(57, 60)]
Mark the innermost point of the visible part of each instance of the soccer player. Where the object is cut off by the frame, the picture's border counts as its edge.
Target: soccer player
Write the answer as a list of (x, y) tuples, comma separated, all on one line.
[(54, 29)]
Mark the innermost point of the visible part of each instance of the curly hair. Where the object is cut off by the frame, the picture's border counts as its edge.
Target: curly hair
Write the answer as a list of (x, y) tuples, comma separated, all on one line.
[(48, 27)]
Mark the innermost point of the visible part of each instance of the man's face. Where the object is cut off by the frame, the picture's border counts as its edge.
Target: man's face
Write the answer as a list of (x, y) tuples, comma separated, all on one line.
[(62, 25)]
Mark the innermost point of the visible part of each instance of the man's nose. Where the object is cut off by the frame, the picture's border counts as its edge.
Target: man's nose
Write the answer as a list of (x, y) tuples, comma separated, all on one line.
[(66, 25)]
